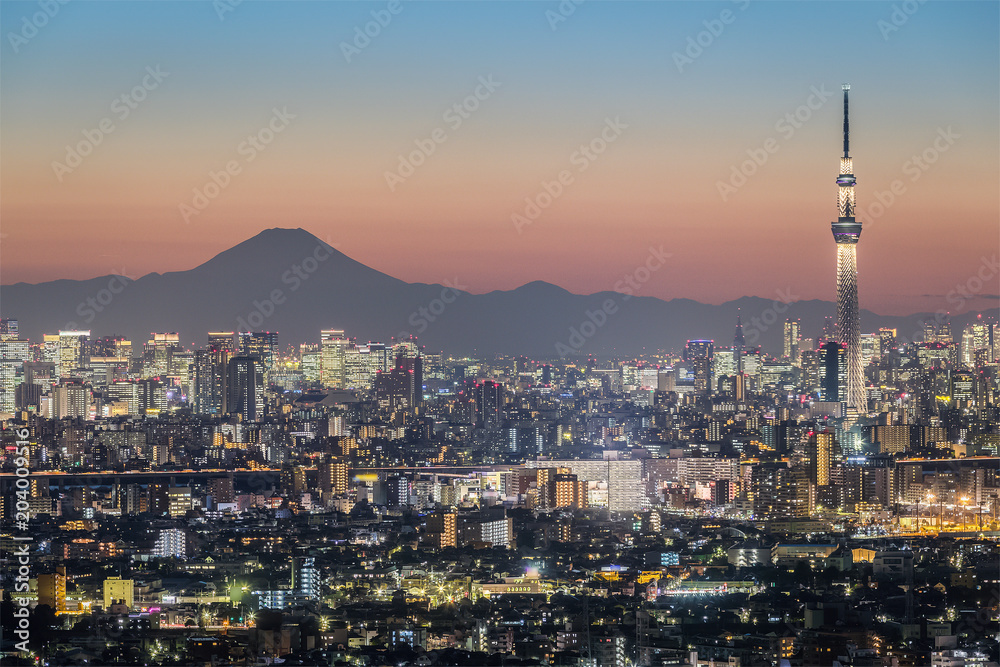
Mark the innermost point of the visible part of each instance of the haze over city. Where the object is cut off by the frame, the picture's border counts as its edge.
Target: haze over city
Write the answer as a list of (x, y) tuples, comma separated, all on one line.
[(685, 127), (560, 333)]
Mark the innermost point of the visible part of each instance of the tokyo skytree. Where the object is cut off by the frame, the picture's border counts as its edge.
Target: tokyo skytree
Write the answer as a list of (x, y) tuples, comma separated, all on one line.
[(846, 232)]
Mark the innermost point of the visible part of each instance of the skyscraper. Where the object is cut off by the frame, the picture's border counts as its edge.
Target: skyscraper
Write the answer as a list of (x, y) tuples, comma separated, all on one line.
[(489, 404), (739, 344), (833, 372), (211, 377), (333, 348), (158, 353), (14, 352), (72, 352), (846, 232), (698, 357), (263, 345), (820, 453), (245, 388), (792, 335)]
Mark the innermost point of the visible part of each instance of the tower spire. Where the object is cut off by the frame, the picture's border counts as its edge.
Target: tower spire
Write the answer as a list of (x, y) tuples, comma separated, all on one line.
[(846, 233), (739, 343), (847, 129)]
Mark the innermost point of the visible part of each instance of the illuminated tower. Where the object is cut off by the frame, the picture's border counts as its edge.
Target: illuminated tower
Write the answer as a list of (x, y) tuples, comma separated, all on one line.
[(846, 232), (739, 344)]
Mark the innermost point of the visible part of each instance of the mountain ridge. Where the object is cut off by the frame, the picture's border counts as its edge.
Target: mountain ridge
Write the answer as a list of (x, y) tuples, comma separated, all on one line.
[(294, 282)]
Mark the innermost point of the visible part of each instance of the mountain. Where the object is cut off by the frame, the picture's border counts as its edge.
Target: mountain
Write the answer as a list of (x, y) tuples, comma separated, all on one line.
[(290, 281)]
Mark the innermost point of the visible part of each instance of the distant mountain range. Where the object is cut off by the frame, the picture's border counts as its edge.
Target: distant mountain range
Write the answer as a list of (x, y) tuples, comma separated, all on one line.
[(290, 281)]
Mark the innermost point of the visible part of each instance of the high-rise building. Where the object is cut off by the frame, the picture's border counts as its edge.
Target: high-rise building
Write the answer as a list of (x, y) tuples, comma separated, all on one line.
[(13, 353), (178, 500), (70, 398), (263, 346), (211, 373), (157, 354), (566, 490), (739, 344), (791, 338), (724, 363), (52, 589), (846, 232), (829, 329), (306, 577), (111, 346), (334, 477), (245, 388), (779, 491), (221, 489), (698, 356), (401, 387), (869, 349), (309, 362), (72, 355), (442, 529), (938, 332), (489, 404), (625, 492), (977, 336), (171, 543), (820, 452), (811, 363), (9, 328), (699, 349), (333, 349), (832, 372), (887, 340)]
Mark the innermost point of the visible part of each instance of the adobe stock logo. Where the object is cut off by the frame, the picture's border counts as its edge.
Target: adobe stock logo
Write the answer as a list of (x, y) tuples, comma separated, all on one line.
[(122, 107), (37, 21), (422, 317), (703, 40), (363, 38), (627, 287), (454, 116), (248, 149)]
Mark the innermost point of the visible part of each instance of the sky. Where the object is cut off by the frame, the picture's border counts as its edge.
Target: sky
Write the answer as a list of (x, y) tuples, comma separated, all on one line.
[(498, 143)]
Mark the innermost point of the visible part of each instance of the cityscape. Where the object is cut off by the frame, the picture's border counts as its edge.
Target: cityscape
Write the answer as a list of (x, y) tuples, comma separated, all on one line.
[(274, 421)]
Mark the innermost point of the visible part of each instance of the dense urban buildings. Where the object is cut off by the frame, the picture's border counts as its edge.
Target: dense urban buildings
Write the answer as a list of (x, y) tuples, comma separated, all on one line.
[(691, 449), (242, 500)]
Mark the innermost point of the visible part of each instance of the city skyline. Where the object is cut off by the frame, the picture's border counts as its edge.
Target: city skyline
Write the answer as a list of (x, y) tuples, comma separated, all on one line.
[(675, 134), (398, 333)]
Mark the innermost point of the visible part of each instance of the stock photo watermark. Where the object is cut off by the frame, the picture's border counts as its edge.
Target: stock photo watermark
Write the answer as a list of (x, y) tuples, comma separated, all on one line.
[(962, 293), (122, 107), (714, 28), (900, 14), (563, 11), (294, 277), (223, 7), (421, 318), (30, 25), (628, 286), (915, 167), (758, 324), (785, 126), (454, 116), (248, 149), (363, 36), (20, 512), (581, 158), (97, 303)]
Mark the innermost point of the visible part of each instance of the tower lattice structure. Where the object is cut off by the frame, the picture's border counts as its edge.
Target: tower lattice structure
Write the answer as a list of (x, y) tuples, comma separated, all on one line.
[(846, 232)]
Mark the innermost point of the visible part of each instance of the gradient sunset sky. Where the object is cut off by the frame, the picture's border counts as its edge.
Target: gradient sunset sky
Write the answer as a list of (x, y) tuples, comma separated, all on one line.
[(656, 184)]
